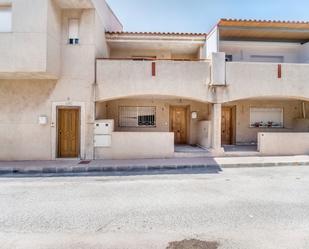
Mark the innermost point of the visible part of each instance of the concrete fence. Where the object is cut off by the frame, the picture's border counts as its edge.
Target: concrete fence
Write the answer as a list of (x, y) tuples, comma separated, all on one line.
[(134, 145), (280, 143)]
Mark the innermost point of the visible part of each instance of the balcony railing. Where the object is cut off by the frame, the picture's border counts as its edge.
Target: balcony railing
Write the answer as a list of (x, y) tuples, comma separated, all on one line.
[(257, 79), (117, 78)]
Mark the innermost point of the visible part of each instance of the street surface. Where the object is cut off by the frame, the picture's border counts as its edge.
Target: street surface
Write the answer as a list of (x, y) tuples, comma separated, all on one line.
[(244, 208)]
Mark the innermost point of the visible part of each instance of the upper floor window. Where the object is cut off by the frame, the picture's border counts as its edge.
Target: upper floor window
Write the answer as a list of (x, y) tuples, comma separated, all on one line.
[(73, 31), (5, 18), (266, 58)]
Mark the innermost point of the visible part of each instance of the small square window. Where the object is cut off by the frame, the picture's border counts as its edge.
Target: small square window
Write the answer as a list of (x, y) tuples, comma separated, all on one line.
[(73, 31), (73, 41), (228, 57)]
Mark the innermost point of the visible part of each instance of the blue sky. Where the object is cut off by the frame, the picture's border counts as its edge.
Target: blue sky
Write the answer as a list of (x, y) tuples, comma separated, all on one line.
[(201, 15)]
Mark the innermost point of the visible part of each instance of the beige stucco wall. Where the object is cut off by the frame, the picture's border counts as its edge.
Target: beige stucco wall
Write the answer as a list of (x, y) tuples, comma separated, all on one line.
[(158, 53), (109, 110), (123, 78), (23, 101), (283, 143), (23, 49), (37, 49), (53, 53), (301, 125), (246, 134), (131, 145), (243, 50), (261, 80)]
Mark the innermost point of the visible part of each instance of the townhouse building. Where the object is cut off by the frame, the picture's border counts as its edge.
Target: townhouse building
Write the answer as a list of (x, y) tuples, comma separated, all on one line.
[(73, 84)]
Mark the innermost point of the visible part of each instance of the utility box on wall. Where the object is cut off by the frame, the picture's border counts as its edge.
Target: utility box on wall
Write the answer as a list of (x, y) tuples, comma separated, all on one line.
[(103, 133), (104, 127), (102, 141)]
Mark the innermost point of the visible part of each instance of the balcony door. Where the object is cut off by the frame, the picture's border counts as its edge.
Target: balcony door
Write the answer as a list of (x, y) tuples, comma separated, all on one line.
[(68, 132), (178, 123)]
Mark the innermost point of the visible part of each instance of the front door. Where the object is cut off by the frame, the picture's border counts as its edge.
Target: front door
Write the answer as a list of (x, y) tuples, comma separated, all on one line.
[(178, 123), (68, 132), (227, 125)]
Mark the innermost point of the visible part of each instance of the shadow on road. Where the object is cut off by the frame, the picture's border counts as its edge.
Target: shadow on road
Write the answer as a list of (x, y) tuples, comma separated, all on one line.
[(193, 244), (212, 169)]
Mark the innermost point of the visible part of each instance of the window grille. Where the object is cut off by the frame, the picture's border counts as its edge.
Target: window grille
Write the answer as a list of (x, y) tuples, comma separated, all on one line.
[(137, 116)]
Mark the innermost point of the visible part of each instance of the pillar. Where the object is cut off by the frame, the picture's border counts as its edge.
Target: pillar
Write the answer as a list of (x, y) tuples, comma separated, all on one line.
[(216, 128)]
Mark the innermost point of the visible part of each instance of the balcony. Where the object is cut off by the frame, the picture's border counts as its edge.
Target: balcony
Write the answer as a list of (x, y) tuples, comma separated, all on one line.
[(25, 56), (251, 79), (119, 78)]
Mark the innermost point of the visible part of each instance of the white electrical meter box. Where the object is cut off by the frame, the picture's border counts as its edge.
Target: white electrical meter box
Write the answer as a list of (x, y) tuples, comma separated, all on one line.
[(43, 120), (102, 141), (104, 127)]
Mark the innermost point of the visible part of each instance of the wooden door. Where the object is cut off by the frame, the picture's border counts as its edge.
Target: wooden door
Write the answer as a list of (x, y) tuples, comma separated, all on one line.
[(178, 122), (227, 125), (68, 132)]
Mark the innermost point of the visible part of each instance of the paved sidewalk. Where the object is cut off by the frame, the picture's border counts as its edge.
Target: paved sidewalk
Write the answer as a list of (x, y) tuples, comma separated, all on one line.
[(140, 165)]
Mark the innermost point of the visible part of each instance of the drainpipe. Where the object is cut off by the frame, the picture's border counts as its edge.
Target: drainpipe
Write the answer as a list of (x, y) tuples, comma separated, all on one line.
[(94, 104)]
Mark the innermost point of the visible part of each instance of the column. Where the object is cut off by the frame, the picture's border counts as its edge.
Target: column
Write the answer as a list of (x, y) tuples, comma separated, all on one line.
[(216, 128)]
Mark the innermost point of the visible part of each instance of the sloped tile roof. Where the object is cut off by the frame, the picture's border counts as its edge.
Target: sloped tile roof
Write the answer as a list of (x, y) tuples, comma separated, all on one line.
[(156, 33)]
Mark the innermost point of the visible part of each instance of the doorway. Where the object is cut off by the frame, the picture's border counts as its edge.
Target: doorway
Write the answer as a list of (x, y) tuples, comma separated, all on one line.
[(178, 123), (228, 125), (68, 132)]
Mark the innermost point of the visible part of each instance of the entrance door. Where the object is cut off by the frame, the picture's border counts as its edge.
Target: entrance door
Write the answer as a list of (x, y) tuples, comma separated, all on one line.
[(68, 132), (227, 125), (178, 123)]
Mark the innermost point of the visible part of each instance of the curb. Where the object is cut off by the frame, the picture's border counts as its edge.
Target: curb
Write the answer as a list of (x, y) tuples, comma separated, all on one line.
[(137, 169)]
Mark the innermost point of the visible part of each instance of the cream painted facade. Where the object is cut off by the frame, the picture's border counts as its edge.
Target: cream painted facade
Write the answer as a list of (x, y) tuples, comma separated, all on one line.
[(40, 73)]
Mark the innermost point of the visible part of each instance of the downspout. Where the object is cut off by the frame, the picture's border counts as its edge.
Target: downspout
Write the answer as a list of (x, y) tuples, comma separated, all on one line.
[(94, 104)]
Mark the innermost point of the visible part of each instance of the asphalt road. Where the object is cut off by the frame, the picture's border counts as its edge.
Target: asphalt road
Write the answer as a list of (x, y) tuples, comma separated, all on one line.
[(246, 208)]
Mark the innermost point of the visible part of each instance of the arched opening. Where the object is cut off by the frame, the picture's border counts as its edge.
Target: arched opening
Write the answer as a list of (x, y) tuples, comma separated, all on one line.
[(256, 119), (163, 125)]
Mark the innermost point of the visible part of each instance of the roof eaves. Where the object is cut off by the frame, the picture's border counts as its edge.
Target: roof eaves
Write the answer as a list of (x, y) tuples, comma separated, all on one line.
[(155, 33), (263, 21)]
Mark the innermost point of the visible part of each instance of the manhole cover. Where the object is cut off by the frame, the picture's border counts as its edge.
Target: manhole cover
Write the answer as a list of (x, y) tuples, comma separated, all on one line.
[(193, 244)]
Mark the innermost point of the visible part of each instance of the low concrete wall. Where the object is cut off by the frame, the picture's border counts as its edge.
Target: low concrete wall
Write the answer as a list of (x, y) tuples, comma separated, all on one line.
[(134, 145), (292, 143)]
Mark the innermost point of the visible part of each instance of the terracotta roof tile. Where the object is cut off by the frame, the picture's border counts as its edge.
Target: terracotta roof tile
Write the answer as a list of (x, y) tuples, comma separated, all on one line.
[(264, 21), (156, 33)]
